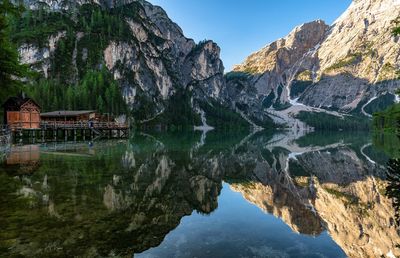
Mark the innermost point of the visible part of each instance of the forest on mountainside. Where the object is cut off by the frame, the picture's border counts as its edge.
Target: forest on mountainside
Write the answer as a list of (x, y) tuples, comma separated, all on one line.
[(70, 82)]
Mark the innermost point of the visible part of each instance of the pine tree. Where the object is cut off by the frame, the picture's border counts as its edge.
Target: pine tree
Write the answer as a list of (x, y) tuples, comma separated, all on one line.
[(396, 29), (109, 101), (100, 104), (70, 98), (396, 32), (11, 71)]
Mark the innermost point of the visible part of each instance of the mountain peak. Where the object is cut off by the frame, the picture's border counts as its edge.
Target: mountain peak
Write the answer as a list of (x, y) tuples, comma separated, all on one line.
[(298, 42), (369, 7)]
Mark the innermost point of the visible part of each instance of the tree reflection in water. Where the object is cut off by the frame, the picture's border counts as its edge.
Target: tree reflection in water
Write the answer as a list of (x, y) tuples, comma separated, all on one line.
[(393, 188)]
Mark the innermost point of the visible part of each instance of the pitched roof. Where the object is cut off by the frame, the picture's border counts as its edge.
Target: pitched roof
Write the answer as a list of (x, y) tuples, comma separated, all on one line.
[(66, 113), (15, 103)]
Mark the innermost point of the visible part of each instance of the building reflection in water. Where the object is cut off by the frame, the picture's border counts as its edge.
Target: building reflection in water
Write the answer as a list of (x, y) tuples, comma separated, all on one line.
[(23, 159)]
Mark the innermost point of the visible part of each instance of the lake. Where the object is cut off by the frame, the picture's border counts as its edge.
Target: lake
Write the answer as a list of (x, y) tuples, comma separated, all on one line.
[(199, 195)]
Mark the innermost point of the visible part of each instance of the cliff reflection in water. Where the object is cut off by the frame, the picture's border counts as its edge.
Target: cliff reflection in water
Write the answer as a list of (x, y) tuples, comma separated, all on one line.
[(338, 185), (120, 198)]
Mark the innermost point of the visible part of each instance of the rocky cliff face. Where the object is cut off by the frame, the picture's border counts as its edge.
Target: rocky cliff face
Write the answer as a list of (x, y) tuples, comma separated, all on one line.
[(261, 82), (359, 52), (344, 67), (272, 66), (150, 57)]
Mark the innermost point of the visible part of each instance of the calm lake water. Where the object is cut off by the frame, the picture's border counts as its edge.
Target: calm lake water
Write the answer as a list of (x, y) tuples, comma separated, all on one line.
[(200, 195)]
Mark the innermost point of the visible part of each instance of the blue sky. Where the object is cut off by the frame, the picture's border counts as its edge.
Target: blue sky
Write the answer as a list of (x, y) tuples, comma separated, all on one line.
[(241, 27)]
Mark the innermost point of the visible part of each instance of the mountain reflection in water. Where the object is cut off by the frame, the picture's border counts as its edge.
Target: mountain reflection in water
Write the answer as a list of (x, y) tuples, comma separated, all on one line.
[(121, 198)]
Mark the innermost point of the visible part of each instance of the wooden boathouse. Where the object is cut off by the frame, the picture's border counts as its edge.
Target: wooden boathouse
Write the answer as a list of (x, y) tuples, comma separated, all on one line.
[(23, 119), (22, 113)]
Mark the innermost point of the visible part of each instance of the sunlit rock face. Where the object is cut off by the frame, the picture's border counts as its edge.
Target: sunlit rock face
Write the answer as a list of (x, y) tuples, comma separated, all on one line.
[(340, 67), (364, 31), (272, 66)]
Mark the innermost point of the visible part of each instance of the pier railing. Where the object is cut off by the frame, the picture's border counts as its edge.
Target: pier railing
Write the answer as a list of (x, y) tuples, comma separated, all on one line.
[(4, 130), (5, 136), (49, 125), (82, 125)]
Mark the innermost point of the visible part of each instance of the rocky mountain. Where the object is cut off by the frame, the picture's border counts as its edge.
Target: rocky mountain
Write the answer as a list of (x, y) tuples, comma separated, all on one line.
[(159, 71), (348, 67)]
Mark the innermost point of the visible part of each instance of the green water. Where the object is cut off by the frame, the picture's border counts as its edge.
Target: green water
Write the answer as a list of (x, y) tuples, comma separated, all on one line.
[(197, 195)]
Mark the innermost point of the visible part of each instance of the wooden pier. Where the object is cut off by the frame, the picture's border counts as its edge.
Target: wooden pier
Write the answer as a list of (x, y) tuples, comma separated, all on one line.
[(69, 130), (24, 120)]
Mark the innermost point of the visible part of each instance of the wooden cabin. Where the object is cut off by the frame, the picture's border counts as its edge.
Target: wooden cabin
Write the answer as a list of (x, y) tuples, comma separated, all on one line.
[(70, 116), (21, 113)]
